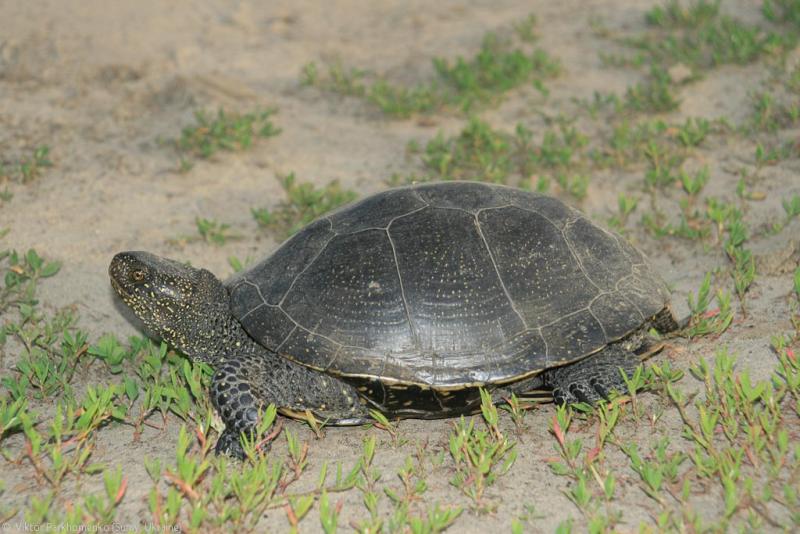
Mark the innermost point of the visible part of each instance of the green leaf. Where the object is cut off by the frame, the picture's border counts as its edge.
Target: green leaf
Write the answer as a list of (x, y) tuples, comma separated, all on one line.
[(50, 269)]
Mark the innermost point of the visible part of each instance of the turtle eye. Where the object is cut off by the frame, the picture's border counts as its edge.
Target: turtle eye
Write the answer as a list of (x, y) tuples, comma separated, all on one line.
[(137, 275)]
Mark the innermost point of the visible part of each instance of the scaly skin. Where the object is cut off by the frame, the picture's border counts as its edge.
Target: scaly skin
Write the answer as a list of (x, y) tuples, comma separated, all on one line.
[(189, 309), (593, 378)]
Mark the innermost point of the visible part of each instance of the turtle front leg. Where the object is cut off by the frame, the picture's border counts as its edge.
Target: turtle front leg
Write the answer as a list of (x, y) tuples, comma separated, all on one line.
[(237, 404), (593, 378), (245, 384)]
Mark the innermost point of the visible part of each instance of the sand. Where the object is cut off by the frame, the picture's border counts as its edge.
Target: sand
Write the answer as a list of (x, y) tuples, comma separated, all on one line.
[(103, 84)]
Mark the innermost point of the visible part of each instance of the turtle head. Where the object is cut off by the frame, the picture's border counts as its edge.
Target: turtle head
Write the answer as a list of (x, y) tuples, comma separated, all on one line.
[(177, 303)]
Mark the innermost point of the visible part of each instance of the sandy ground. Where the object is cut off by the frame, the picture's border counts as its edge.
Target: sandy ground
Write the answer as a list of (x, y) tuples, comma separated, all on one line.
[(102, 82)]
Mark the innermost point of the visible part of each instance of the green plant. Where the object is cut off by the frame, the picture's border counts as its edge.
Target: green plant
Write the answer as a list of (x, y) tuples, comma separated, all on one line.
[(436, 519), (651, 141), (683, 42), (328, 515), (477, 153), (225, 131), (403, 102), (576, 185), (31, 167), (480, 456), (484, 154), (743, 263), (744, 270), (517, 408), (782, 12), (69, 444), (94, 511), (12, 413), (214, 232), (304, 203), (694, 184), (110, 350), (654, 95), (791, 207), (662, 470), (797, 283), (50, 346), (21, 272), (495, 70), (526, 28), (338, 79), (27, 168), (209, 492), (693, 131), (663, 165), (626, 205), (555, 152), (700, 37), (672, 14), (704, 321), (382, 422), (464, 84)]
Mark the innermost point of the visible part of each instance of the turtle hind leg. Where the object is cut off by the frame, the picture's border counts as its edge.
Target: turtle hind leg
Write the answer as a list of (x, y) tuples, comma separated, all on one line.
[(664, 322), (593, 378)]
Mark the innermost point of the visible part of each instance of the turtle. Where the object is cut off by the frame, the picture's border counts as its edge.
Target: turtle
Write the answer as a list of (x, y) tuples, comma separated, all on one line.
[(409, 302)]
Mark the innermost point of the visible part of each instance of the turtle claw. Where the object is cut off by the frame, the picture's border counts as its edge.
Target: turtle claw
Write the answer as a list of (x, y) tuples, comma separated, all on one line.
[(592, 379), (589, 392), (229, 444), (575, 393)]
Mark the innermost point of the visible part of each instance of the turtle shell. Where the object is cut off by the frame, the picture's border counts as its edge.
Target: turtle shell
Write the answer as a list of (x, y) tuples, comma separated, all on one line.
[(447, 286)]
